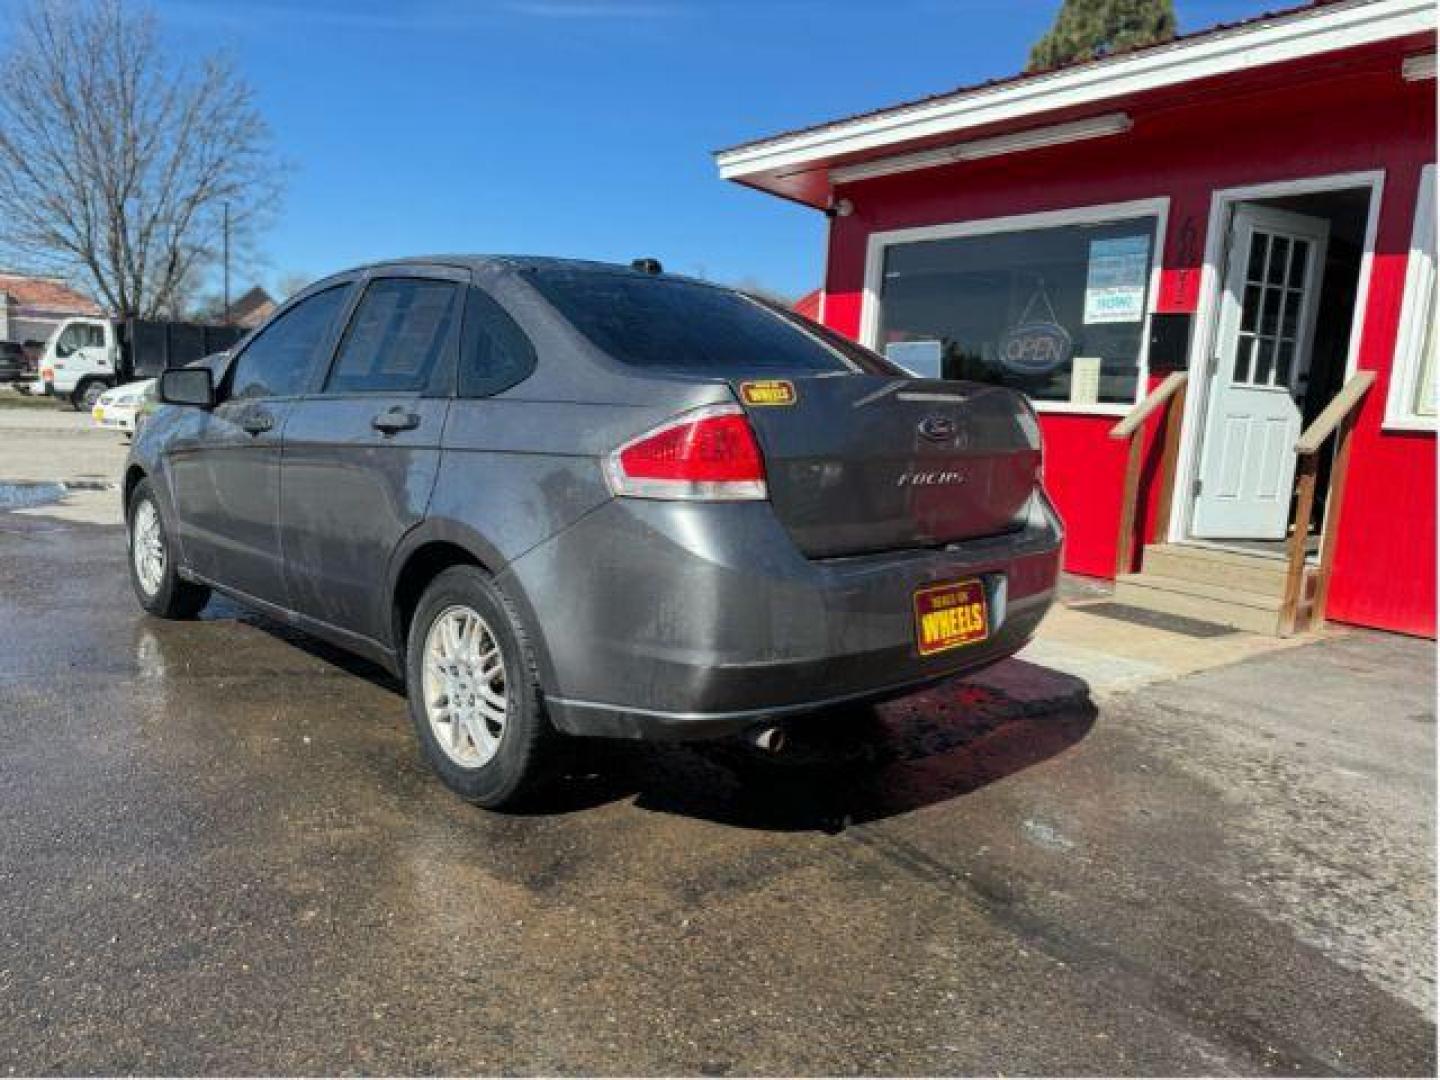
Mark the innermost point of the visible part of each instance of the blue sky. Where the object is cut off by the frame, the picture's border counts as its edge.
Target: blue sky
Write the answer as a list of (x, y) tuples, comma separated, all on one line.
[(580, 127)]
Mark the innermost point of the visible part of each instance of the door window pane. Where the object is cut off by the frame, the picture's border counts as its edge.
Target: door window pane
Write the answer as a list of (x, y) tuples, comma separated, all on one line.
[(1251, 310), (1284, 361), (395, 339), (279, 362), (1290, 319), (1244, 354), (1279, 254), (1259, 252), (1270, 311), (1018, 308), (1264, 361), (1298, 254)]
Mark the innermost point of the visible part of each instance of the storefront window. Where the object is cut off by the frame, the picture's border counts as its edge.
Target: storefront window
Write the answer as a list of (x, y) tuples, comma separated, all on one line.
[(1057, 312)]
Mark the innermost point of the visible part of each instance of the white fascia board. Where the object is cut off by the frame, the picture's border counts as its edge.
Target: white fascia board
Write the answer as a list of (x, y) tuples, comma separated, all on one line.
[(1094, 127), (1311, 32)]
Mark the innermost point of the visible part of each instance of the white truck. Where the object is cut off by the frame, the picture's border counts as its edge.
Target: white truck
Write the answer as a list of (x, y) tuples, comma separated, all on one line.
[(86, 356)]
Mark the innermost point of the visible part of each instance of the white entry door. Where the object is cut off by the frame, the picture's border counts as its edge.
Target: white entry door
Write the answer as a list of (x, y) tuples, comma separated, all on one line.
[(1261, 365)]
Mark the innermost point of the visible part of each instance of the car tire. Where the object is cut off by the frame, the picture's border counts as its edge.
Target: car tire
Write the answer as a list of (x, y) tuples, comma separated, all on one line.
[(488, 754), (153, 571), (87, 394)]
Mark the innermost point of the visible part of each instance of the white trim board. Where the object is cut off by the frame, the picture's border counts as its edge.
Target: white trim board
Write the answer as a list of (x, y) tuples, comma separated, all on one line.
[(1159, 207), (1310, 32), (1420, 270), (1095, 127), (1202, 337)]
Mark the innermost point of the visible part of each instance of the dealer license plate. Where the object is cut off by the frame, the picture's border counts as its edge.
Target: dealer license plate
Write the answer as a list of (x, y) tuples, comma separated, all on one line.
[(949, 616)]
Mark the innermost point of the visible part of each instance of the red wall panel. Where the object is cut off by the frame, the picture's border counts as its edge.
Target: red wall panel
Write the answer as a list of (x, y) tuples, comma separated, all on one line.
[(1349, 113), (1385, 551)]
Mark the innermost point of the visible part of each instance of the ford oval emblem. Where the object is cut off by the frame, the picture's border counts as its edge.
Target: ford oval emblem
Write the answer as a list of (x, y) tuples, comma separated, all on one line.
[(937, 428)]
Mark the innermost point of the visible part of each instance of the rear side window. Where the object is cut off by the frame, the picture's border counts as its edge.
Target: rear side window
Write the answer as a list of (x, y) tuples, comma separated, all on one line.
[(400, 330), (496, 353), (279, 361), (656, 322)]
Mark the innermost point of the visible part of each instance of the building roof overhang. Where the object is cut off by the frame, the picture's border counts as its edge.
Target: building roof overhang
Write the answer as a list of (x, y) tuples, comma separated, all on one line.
[(1082, 101)]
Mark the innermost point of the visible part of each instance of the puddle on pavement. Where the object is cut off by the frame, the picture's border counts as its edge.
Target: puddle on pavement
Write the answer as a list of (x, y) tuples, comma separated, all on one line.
[(23, 496)]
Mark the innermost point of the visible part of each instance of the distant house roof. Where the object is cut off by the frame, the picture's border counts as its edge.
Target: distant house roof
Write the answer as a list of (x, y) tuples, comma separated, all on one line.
[(46, 296), (796, 164), (251, 308)]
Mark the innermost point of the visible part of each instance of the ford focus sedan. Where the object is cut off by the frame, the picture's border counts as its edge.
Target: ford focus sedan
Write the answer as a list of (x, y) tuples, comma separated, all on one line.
[(563, 498)]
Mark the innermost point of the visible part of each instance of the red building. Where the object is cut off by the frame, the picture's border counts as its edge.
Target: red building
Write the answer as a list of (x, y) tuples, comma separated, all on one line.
[(1251, 210)]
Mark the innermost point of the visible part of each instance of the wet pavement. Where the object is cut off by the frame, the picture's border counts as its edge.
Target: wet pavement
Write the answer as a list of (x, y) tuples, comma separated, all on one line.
[(220, 853)]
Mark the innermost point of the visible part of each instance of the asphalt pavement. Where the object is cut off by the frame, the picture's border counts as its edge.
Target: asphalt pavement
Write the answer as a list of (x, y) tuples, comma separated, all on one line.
[(221, 854)]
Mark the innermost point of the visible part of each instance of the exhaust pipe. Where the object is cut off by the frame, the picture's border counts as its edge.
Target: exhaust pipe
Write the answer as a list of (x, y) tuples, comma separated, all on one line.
[(769, 739)]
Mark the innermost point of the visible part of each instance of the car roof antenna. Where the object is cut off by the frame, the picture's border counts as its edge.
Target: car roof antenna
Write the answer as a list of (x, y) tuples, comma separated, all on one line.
[(647, 266)]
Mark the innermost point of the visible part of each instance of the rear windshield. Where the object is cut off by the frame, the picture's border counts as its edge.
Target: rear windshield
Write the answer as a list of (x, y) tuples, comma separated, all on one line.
[(662, 323)]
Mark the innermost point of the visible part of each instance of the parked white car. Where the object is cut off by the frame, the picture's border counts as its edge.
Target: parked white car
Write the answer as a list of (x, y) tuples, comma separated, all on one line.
[(118, 408)]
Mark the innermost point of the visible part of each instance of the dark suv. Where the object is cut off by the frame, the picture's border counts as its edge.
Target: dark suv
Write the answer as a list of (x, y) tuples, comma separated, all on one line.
[(563, 497)]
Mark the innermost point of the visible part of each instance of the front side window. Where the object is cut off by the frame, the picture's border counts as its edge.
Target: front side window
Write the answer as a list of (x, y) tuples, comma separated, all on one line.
[(1057, 312), (674, 325), (1412, 401), (79, 336), (400, 330), (279, 362)]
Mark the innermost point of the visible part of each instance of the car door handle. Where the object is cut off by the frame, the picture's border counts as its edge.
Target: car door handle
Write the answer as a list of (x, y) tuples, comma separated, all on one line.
[(257, 423), (397, 419)]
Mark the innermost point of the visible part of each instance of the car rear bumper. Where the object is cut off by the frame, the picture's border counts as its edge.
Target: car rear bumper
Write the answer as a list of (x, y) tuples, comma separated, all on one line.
[(693, 620)]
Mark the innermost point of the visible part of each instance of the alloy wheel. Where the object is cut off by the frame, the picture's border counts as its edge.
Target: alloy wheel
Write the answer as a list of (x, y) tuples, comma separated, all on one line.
[(147, 548), (464, 685)]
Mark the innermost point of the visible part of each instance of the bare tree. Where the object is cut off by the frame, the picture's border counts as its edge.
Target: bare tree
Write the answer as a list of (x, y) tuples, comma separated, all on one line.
[(116, 162)]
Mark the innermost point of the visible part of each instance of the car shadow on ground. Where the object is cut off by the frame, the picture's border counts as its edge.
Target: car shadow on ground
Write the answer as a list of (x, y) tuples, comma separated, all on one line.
[(838, 768)]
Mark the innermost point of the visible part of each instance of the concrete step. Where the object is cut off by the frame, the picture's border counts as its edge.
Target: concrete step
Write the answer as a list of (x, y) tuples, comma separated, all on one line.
[(1248, 573), (1257, 612)]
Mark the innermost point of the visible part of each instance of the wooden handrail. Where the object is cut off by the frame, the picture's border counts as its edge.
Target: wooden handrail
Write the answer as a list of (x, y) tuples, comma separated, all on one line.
[(1130, 427), (1338, 415), (1132, 420), (1340, 406)]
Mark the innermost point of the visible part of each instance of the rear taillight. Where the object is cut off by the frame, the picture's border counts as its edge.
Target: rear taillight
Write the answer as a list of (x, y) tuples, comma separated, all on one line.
[(706, 454)]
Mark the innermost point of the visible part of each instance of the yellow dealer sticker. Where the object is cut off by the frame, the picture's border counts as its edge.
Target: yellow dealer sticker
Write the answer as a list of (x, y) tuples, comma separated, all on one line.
[(768, 392)]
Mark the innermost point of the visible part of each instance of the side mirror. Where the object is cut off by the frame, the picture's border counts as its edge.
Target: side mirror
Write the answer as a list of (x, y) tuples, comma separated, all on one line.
[(193, 386)]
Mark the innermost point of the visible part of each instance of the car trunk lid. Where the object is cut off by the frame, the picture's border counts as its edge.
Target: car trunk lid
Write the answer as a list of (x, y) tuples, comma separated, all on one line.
[(860, 463)]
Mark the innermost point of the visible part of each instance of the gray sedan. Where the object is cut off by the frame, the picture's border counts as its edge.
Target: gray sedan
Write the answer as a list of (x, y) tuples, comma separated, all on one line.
[(564, 498)]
